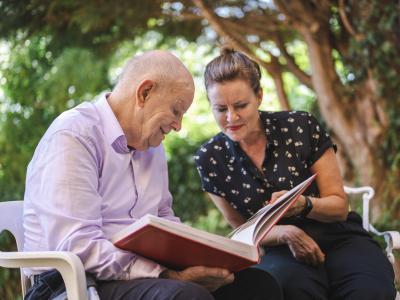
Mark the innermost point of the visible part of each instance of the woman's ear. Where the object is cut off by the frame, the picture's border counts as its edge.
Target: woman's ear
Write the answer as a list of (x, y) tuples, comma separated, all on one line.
[(260, 96), (143, 91)]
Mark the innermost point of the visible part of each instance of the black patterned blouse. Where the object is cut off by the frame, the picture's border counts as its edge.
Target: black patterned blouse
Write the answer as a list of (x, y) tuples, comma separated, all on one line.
[(295, 141)]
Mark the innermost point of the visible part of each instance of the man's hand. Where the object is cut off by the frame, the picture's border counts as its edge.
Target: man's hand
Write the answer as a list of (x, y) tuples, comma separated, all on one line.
[(210, 278), (302, 246)]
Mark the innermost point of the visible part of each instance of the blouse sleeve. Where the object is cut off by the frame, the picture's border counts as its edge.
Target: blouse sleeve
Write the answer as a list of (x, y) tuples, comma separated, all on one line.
[(319, 140), (206, 166)]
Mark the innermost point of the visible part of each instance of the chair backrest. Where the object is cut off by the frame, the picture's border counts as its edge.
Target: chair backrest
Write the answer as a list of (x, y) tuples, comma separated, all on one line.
[(69, 264), (11, 213)]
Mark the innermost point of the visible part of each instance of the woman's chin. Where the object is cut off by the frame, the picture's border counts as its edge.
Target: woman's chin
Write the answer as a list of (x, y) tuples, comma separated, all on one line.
[(234, 136)]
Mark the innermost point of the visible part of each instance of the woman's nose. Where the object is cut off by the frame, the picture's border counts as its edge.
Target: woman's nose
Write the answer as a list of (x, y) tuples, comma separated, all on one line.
[(231, 116)]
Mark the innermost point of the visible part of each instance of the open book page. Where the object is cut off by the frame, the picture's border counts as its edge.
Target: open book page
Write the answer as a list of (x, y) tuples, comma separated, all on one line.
[(186, 231), (262, 221), (182, 229), (255, 228)]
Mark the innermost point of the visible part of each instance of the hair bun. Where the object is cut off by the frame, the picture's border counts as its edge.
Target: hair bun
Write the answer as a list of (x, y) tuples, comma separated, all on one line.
[(227, 49), (232, 64)]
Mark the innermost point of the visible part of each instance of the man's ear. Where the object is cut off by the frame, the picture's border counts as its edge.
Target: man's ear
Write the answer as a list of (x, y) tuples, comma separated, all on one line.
[(143, 91)]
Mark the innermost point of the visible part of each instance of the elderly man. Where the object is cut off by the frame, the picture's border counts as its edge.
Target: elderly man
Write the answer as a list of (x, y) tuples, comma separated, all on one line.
[(100, 166)]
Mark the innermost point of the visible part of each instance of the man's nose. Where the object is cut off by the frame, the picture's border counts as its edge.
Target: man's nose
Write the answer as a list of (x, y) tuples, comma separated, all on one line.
[(177, 125)]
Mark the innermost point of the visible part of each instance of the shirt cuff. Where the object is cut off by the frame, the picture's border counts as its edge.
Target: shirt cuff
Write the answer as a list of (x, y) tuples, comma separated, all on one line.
[(145, 268)]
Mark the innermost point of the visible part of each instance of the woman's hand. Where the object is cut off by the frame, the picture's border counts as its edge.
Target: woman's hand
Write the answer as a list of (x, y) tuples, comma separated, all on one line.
[(210, 278), (302, 246), (293, 210)]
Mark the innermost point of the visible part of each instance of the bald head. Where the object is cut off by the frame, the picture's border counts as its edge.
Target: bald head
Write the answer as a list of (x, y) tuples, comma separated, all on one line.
[(160, 66), (154, 91)]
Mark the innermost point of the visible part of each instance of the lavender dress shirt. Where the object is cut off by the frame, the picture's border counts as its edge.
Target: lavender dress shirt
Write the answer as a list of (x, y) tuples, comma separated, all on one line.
[(83, 185)]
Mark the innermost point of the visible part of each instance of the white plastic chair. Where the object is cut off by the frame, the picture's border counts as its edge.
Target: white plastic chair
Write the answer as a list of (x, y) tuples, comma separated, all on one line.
[(67, 263), (392, 238)]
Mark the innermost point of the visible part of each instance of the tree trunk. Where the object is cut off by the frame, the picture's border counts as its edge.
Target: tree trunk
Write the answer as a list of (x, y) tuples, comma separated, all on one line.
[(357, 121)]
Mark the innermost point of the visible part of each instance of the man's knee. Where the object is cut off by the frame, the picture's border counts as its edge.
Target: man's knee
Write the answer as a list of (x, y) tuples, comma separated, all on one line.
[(152, 289), (184, 290)]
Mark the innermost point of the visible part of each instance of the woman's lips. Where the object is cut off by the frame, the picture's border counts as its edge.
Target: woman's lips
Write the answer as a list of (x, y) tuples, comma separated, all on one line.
[(234, 128)]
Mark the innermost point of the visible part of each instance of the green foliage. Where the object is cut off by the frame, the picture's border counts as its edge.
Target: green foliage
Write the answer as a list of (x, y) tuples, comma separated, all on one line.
[(99, 26), (378, 49), (9, 278), (38, 84), (212, 222), (189, 201), (37, 87)]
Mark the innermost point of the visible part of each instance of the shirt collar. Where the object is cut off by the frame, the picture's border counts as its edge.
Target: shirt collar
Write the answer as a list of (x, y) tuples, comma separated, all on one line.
[(267, 123), (113, 133)]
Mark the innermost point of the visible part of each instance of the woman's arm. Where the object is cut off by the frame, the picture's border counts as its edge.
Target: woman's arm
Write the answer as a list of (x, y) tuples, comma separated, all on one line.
[(230, 214), (302, 246), (332, 205)]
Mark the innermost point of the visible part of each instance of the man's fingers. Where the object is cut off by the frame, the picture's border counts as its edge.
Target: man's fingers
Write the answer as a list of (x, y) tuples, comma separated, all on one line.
[(206, 272), (217, 272), (213, 278), (230, 278)]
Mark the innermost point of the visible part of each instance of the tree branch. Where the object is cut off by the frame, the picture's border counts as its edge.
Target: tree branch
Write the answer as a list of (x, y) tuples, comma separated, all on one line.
[(268, 35), (273, 68), (291, 64), (305, 15), (346, 23)]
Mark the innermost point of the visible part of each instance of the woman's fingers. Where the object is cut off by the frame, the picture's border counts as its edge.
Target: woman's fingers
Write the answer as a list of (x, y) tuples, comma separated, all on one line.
[(304, 248)]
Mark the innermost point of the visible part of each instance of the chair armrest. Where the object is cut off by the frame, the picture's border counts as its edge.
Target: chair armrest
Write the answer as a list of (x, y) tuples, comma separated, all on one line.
[(67, 263), (392, 239), (367, 194)]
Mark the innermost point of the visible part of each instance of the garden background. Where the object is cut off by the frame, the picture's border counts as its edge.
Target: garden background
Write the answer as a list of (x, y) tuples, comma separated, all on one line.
[(338, 59)]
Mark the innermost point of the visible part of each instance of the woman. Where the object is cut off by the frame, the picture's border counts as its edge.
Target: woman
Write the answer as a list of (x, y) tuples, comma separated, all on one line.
[(319, 250)]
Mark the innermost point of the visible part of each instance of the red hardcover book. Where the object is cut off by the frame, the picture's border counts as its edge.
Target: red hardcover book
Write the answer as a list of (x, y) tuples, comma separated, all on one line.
[(178, 246)]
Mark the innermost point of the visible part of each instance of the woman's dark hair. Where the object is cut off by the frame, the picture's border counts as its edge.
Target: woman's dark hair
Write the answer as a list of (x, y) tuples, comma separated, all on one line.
[(231, 65)]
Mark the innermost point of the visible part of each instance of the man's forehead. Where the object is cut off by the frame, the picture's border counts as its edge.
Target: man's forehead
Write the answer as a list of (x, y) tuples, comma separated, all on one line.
[(184, 92), (183, 103)]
